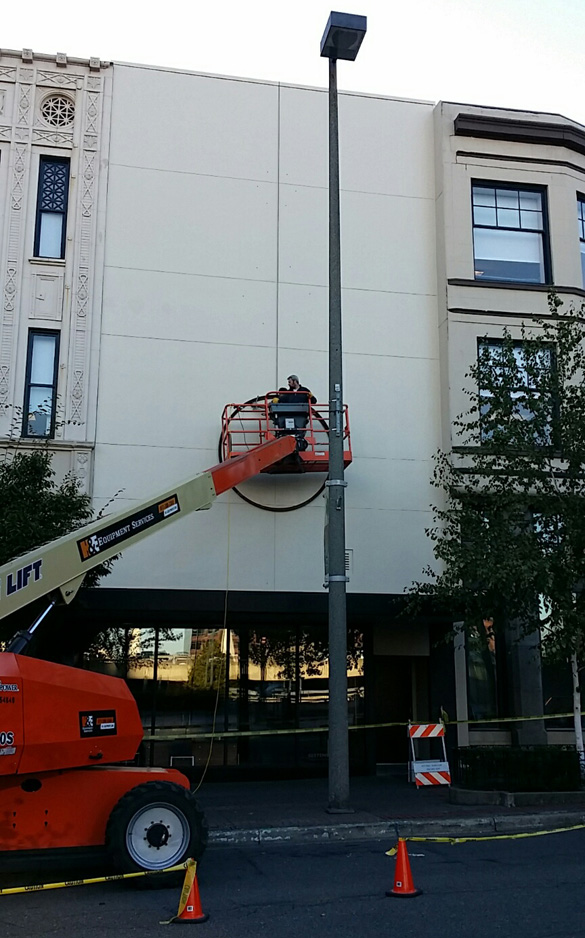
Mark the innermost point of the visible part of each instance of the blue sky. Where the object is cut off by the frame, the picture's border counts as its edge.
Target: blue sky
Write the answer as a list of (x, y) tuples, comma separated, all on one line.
[(526, 54)]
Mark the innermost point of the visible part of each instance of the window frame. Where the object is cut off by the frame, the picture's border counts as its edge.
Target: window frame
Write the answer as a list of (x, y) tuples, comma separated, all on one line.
[(43, 161), (581, 225), (28, 384), (544, 232), (495, 342)]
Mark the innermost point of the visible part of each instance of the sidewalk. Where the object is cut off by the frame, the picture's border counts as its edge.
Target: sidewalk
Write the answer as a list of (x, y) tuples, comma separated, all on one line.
[(294, 811)]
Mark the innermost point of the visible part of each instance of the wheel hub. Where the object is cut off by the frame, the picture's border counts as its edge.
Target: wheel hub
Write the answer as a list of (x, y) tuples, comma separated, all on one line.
[(157, 835)]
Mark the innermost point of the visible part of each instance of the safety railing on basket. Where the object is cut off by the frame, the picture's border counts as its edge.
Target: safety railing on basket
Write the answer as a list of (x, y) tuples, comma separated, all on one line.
[(249, 424)]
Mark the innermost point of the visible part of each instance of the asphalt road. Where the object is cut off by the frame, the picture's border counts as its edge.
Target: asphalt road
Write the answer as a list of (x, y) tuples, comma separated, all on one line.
[(513, 888)]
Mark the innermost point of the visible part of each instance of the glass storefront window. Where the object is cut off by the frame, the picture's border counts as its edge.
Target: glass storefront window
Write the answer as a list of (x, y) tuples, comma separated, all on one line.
[(212, 680)]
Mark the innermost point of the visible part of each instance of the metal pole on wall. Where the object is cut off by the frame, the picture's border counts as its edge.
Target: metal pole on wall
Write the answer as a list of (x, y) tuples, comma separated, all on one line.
[(342, 38)]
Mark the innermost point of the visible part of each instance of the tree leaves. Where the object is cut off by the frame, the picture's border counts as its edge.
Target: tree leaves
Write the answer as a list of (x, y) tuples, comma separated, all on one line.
[(509, 524)]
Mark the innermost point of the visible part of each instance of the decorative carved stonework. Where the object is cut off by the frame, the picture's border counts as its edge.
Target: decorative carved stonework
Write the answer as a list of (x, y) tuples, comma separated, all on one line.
[(57, 79), (10, 287), (56, 105), (11, 275), (81, 466), (4, 382), (77, 395), (82, 306), (56, 138), (82, 294), (17, 192), (87, 185), (92, 113), (24, 103), (58, 110)]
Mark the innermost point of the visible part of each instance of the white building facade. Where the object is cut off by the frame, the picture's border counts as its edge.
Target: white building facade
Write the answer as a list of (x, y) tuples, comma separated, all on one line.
[(163, 252)]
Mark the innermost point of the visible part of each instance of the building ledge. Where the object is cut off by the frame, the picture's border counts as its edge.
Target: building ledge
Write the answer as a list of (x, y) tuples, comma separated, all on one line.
[(506, 285), (540, 133)]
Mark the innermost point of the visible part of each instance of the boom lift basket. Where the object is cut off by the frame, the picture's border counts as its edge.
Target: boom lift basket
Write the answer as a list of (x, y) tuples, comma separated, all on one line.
[(246, 426)]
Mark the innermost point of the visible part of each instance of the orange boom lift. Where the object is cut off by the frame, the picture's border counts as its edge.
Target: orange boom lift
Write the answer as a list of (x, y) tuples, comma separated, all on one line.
[(61, 728)]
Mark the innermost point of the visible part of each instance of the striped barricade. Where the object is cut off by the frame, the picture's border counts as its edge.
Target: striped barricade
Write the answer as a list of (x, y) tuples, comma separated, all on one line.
[(425, 772)]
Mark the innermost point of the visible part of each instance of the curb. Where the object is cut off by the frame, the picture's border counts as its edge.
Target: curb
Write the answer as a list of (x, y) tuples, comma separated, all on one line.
[(406, 827)]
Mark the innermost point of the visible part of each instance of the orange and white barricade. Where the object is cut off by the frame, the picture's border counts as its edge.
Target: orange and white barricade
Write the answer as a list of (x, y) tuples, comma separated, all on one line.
[(428, 771)]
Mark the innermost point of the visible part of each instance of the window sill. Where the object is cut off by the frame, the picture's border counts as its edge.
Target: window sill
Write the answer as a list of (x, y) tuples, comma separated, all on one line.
[(506, 285), (485, 450), (48, 261), (33, 442)]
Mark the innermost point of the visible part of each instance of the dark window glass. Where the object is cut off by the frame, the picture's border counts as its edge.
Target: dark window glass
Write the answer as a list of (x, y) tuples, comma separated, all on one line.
[(482, 672), (51, 221), (581, 220), (509, 234), (41, 384)]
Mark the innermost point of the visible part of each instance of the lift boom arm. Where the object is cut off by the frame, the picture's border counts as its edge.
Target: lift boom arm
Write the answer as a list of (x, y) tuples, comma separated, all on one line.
[(61, 565)]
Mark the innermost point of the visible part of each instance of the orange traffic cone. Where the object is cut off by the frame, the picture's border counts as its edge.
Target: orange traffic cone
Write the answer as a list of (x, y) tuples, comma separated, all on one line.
[(403, 884), (190, 903)]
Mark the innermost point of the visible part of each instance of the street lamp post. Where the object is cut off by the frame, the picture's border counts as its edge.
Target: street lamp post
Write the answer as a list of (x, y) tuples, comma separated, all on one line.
[(341, 40)]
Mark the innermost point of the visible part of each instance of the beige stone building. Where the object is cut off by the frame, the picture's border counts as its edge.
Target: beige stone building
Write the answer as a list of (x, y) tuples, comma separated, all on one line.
[(163, 252)]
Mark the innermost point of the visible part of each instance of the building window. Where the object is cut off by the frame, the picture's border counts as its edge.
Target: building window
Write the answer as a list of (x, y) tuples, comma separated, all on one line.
[(509, 234), (40, 394), (58, 110), (51, 226), (581, 218), (501, 366)]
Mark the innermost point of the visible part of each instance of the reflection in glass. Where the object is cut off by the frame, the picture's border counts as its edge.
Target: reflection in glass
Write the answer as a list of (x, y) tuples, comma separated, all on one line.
[(211, 680), (482, 672)]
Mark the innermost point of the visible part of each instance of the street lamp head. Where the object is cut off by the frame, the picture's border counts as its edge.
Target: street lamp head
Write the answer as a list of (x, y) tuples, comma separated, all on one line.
[(343, 36)]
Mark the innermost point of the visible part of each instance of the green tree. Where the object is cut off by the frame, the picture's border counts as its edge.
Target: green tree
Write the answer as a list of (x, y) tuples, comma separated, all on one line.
[(208, 668), (279, 648), (35, 509), (125, 646), (509, 532)]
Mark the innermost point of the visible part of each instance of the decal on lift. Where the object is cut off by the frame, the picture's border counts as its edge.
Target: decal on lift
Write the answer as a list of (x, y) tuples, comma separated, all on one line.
[(97, 723), (113, 534), (7, 747), (9, 688), (19, 579)]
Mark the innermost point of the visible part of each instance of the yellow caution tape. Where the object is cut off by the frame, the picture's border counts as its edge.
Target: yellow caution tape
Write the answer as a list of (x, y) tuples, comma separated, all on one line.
[(464, 840), (189, 878), (89, 882), (241, 734), (190, 870)]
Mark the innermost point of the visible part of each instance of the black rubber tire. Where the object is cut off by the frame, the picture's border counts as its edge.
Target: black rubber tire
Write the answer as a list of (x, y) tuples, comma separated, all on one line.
[(168, 795)]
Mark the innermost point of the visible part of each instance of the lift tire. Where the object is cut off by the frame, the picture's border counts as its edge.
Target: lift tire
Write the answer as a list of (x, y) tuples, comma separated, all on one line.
[(154, 826)]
